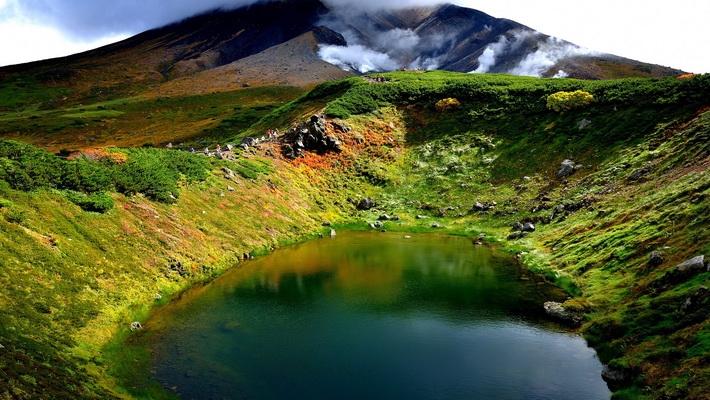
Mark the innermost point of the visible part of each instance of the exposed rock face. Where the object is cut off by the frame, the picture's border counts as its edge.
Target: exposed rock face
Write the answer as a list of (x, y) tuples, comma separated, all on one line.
[(556, 310), (310, 136)]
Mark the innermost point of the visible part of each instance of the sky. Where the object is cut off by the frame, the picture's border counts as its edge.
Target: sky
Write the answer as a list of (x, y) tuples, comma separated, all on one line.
[(670, 34)]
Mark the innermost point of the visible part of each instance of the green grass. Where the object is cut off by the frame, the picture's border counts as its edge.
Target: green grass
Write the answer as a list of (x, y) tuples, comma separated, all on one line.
[(98, 272)]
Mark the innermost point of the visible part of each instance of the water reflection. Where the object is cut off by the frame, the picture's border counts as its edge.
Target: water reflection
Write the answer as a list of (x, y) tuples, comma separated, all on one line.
[(368, 315)]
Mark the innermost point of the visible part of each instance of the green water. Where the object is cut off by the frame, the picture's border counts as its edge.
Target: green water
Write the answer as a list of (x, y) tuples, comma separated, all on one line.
[(372, 316)]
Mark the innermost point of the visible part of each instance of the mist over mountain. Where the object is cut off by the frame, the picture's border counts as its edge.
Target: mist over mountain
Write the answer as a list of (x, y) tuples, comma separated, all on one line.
[(304, 42)]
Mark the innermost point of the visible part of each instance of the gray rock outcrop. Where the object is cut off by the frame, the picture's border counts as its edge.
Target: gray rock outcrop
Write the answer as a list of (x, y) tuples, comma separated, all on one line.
[(567, 168), (555, 309), (311, 136)]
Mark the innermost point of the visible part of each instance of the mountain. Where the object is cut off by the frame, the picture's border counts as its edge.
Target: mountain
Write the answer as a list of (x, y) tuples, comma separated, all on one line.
[(305, 42)]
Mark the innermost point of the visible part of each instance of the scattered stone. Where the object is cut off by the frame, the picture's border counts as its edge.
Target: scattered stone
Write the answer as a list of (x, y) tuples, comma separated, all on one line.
[(527, 178), (407, 237), (383, 217), (555, 309), (528, 227), (332, 233), (435, 225), (231, 189), (136, 326), (517, 226), (326, 223), (377, 224), (422, 217), (655, 259)]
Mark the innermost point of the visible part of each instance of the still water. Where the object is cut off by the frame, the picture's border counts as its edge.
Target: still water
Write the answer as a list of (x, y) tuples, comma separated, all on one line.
[(372, 316)]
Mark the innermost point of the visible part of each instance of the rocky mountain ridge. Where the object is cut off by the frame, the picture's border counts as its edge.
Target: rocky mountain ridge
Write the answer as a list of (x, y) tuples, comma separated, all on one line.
[(342, 42)]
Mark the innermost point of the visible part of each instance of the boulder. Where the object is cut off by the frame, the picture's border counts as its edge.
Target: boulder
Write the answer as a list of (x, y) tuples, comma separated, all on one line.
[(516, 235), (640, 173), (614, 377), (383, 217), (695, 264), (436, 225), (478, 206), (365, 204), (583, 123), (655, 259), (332, 233), (555, 309), (517, 226), (567, 168), (528, 227)]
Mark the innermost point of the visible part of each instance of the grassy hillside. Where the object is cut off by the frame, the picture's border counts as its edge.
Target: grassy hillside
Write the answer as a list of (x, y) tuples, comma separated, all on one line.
[(425, 146)]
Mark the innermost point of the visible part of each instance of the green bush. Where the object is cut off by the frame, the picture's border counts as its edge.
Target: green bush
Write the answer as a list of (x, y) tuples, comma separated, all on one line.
[(97, 202)]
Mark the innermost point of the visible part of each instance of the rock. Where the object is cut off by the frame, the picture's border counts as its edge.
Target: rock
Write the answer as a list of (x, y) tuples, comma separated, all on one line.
[(614, 377), (528, 227), (516, 235), (326, 223), (228, 172), (332, 232), (583, 123), (435, 225), (231, 189), (478, 206), (555, 309), (383, 217), (312, 136), (567, 168), (248, 142), (695, 264), (697, 301), (517, 226), (640, 173), (407, 237), (136, 326), (655, 259), (365, 204), (377, 224), (422, 217), (682, 272)]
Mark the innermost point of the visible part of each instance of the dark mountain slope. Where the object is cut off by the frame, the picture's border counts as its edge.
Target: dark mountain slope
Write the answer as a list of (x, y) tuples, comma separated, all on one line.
[(442, 37)]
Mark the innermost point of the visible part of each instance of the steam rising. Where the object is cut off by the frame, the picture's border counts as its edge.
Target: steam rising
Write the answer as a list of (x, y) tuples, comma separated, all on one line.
[(548, 53)]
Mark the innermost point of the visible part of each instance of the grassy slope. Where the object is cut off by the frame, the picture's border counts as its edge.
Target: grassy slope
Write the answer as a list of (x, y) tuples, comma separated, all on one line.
[(66, 298)]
